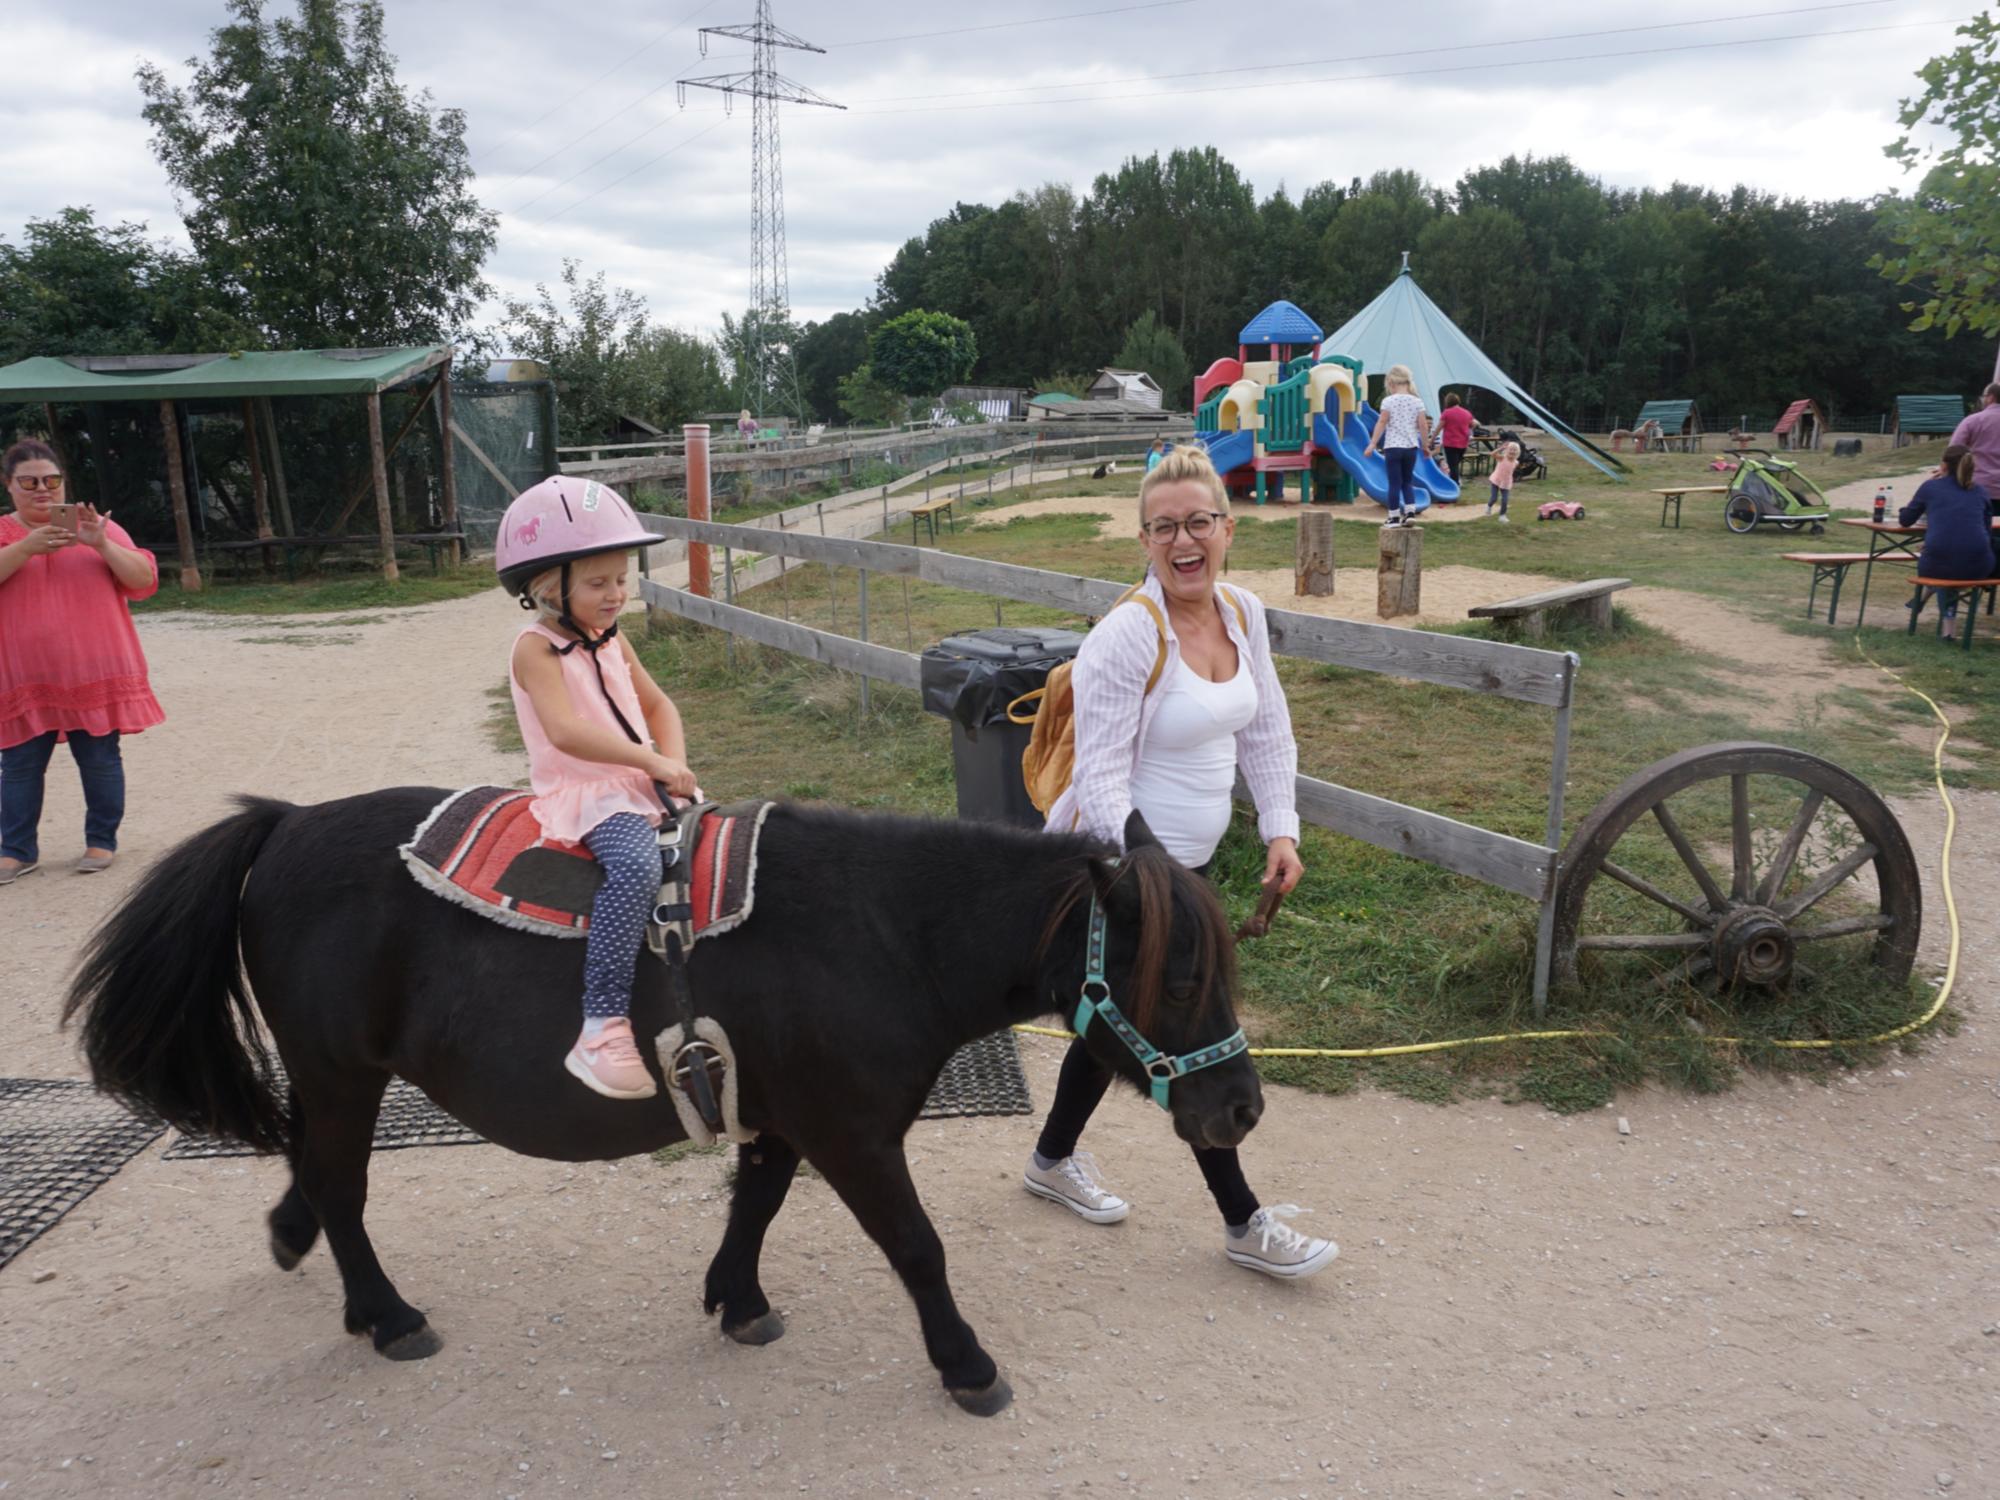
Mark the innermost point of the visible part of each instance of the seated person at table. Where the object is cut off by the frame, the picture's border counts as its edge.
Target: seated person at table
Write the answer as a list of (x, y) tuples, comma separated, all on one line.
[(1957, 516)]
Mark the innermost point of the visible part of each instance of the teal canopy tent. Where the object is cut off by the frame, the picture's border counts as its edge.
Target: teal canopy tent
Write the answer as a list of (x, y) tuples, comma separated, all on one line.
[(1404, 327)]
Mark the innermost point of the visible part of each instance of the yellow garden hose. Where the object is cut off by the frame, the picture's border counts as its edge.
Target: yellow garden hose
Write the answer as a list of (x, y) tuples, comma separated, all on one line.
[(1937, 1005)]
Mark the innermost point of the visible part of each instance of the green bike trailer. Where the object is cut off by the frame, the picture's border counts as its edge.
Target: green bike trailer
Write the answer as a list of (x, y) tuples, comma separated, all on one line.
[(1772, 490)]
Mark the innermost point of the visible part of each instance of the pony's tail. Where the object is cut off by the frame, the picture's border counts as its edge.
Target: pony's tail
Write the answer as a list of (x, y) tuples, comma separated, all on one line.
[(167, 1023)]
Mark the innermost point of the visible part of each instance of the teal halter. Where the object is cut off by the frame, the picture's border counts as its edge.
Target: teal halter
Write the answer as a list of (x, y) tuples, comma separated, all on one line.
[(1095, 1000)]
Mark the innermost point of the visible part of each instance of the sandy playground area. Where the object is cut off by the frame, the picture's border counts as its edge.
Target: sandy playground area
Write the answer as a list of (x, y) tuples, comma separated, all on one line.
[(1787, 1290)]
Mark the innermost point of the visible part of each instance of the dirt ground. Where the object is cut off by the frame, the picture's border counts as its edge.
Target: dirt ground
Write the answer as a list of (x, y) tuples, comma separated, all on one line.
[(1788, 1290)]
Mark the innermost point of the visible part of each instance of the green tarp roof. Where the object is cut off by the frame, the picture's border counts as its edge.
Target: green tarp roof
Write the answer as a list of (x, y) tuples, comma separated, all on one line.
[(1671, 415), (196, 377), (1929, 413)]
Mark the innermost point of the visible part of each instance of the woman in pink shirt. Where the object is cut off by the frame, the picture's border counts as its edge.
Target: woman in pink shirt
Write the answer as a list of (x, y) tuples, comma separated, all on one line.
[(581, 693), (1455, 426), (70, 664), (1171, 751)]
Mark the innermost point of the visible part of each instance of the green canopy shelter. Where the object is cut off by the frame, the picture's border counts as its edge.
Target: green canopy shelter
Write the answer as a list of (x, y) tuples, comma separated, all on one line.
[(253, 379), (1926, 416), (1404, 327)]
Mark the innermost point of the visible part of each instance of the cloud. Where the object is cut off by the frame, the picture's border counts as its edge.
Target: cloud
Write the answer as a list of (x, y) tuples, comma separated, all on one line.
[(658, 197)]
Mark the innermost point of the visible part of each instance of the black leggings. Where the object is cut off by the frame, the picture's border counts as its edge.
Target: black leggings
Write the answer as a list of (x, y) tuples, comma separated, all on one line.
[(1079, 1088)]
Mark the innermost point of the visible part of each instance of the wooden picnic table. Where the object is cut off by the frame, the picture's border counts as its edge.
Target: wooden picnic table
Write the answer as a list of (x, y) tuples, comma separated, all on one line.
[(1673, 497), (1889, 539)]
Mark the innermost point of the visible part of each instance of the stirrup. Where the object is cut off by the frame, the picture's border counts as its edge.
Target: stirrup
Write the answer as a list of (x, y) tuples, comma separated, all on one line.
[(698, 1072)]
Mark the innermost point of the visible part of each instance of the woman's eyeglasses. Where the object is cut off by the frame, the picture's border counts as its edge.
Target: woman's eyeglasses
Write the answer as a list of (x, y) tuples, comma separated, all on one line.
[(33, 482), (1200, 526)]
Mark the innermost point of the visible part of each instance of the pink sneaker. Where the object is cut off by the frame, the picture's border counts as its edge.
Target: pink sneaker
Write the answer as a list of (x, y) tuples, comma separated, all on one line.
[(609, 1063)]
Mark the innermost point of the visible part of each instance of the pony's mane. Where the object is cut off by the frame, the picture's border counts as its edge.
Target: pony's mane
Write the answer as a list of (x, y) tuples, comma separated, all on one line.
[(1158, 875)]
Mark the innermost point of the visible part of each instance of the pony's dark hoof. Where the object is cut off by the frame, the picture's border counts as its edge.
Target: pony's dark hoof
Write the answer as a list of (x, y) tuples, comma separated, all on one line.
[(765, 1330), (420, 1342), (288, 1255), (987, 1401)]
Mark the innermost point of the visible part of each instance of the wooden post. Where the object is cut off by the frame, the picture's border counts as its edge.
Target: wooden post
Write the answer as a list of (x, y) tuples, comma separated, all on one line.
[(1313, 572), (447, 475), (55, 442), (379, 468), (177, 487), (277, 457), (698, 495), (260, 495), (1399, 571)]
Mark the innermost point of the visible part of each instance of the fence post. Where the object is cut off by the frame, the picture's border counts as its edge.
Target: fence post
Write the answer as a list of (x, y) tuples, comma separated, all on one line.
[(729, 597), (1558, 774), (697, 488), (865, 703)]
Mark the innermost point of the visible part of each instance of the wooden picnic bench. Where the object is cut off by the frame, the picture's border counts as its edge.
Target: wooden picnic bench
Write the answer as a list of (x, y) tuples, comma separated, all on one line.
[(1673, 497), (1831, 567), (1589, 602), (929, 512), (1946, 591)]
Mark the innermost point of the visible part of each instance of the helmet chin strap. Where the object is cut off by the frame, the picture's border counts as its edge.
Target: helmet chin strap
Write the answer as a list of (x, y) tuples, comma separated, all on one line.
[(593, 645)]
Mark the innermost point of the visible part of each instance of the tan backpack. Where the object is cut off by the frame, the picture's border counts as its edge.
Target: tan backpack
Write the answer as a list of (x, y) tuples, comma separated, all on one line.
[(1049, 762)]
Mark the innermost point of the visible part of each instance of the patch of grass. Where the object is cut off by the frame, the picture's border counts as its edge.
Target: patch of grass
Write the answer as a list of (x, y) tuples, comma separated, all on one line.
[(331, 638), (666, 1156), (324, 594)]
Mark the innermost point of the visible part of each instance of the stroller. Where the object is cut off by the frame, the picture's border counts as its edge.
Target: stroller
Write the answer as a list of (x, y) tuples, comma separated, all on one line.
[(1772, 489), (1532, 465)]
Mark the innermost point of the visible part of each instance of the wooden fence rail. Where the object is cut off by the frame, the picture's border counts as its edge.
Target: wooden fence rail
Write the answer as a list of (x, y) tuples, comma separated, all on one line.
[(1522, 673)]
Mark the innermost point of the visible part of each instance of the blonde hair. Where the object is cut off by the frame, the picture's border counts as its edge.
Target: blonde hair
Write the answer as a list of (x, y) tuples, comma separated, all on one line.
[(1399, 375), (545, 588), (1510, 450), (1183, 461)]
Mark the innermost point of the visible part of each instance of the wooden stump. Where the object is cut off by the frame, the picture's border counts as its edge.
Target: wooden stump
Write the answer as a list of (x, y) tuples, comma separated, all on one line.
[(1313, 572), (1399, 572)]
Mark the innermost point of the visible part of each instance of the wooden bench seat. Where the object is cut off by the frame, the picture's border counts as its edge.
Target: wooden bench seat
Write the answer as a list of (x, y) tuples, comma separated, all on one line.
[(1673, 497), (1527, 616), (929, 512), (1948, 590), (1831, 568)]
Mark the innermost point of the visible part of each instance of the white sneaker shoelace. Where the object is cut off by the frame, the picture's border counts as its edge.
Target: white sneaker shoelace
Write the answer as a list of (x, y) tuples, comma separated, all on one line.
[(1080, 1167), (1273, 1231)]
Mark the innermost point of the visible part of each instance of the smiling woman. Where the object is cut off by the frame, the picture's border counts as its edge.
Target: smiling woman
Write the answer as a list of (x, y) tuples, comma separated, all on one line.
[(1172, 699), (70, 664)]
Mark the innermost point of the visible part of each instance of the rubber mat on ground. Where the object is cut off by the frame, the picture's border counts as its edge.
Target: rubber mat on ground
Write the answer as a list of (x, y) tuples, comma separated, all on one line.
[(59, 1139)]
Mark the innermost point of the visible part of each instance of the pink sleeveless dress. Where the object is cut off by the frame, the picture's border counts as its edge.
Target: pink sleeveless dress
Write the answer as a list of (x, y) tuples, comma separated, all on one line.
[(572, 795)]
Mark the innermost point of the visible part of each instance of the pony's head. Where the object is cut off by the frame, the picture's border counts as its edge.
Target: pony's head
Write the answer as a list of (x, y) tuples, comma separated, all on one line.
[(1155, 934)]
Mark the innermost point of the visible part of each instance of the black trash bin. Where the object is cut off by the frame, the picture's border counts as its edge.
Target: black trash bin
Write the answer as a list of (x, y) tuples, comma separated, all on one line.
[(970, 680)]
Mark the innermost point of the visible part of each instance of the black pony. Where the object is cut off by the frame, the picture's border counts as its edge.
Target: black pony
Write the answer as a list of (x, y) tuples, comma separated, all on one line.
[(879, 945)]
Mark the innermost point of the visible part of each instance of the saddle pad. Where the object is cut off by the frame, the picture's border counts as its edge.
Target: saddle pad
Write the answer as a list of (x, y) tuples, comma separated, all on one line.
[(482, 849)]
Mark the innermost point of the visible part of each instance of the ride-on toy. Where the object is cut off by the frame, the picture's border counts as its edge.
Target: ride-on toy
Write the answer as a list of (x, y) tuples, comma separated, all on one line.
[(1772, 489), (1559, 510)]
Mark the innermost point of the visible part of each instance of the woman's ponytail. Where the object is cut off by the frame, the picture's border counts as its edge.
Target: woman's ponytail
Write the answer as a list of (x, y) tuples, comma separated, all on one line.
[(1958, 463)]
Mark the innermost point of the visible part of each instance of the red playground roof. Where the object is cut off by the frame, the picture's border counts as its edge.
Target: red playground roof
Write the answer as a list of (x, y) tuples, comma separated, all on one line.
[(1791, 417)]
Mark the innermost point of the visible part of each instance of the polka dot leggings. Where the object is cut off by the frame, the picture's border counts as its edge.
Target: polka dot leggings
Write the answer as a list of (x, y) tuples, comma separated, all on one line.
[(629, 850)]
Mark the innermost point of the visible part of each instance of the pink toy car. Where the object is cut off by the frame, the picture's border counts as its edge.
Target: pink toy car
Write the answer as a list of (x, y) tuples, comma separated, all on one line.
[(1559, 510)]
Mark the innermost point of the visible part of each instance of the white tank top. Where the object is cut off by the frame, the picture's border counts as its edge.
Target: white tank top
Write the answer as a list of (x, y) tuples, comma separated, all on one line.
[(1187, 765)]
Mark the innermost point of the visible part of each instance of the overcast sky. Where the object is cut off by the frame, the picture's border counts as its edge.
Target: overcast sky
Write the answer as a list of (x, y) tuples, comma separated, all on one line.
[(988, 100)]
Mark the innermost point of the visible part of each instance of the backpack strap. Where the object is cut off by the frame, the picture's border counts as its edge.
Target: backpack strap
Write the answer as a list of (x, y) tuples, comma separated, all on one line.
[(1236, 604), (1024, 708)]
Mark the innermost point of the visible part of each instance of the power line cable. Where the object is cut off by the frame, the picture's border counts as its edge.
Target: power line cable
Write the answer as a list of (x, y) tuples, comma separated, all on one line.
[(1315, 62), (1080, 15), (1483, 66), (671, 150), (658, 37)]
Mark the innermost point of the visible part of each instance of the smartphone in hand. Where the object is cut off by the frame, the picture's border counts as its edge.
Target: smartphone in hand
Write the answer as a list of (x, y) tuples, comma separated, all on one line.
[(65, 516)]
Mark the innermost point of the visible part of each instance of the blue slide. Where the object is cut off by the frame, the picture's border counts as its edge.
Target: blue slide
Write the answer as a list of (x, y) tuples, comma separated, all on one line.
[(1434, 482), (1371, 473), (1229, 450)]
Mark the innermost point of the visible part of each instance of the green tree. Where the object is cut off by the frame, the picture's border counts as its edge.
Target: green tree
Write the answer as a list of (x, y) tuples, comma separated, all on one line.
[(919, 353), (827, 352), (75, 286), (1949, 231), (608, 361), (870, 402), (336, 201), (1151, 348)]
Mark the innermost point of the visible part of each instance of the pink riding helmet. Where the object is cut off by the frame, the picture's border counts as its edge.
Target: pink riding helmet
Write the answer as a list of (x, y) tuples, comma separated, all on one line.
[(558, 521)]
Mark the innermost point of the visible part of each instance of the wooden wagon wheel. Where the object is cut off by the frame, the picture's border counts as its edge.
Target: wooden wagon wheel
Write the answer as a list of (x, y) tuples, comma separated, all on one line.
[(1739, 924)]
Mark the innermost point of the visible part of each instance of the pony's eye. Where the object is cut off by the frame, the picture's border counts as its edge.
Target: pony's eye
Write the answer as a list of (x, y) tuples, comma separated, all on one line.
[(1182, 994)]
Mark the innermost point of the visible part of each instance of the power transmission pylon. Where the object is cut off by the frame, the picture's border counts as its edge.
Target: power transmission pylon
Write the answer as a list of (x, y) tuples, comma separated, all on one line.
[(770, 373)]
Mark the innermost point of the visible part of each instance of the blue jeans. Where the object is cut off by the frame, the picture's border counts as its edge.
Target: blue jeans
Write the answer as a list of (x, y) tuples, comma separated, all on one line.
[(1402, 466), (22, 769)]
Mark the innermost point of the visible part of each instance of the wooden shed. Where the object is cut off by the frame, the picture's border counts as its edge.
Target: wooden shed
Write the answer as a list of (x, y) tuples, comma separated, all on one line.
[(1926, 416), (1125, 385), (1680, 424), (1802, 425)]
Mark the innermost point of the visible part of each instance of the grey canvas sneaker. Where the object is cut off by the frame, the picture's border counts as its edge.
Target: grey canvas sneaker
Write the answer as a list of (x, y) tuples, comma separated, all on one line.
[(1073, 1182), (1272, 1246)]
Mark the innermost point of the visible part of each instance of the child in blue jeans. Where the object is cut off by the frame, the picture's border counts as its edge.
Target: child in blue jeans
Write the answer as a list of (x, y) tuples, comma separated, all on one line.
[(1501, 484)]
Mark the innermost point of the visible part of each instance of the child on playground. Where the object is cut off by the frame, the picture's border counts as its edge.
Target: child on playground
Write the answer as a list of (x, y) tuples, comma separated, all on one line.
[(581, 695), (1500, 484), (1402, 431)]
